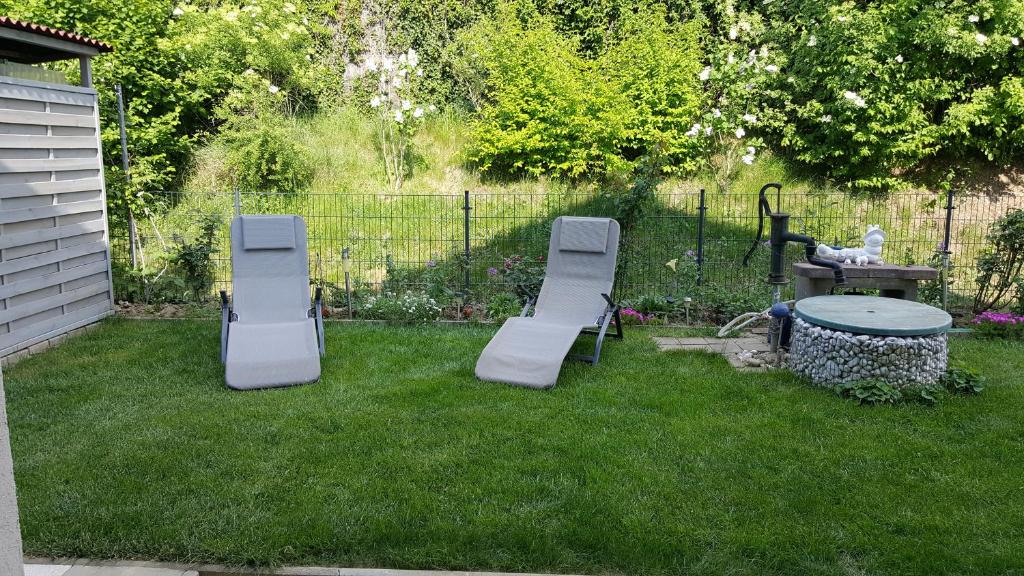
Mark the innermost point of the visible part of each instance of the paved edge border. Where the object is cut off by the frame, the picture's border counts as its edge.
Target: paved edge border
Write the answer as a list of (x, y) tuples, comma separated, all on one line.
[(222, 570)]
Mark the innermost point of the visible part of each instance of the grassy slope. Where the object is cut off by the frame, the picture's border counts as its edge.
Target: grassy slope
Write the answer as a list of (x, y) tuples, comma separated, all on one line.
[(127, 444)]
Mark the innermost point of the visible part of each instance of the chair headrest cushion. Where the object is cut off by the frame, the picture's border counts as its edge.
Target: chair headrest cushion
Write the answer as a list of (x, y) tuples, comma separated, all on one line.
[(583, 235), (268, 232)]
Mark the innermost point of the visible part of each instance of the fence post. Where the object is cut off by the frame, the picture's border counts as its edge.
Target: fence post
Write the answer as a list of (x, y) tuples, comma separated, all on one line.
[(947, 235), (465, 239), (133, 233), (701, 214)]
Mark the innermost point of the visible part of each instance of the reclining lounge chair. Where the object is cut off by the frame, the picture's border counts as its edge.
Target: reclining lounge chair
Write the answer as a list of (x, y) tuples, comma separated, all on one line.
[(270, 335), (574, 299)]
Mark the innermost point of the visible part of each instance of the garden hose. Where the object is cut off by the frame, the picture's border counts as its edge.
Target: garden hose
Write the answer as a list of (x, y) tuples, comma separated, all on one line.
[(743, 320)]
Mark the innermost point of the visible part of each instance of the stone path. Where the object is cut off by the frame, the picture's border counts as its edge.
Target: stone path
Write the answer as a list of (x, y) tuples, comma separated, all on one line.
[(84, 567), (744, 353)]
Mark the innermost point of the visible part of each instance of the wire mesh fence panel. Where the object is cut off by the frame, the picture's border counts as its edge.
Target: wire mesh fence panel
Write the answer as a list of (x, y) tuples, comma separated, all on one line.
[(418, 241)]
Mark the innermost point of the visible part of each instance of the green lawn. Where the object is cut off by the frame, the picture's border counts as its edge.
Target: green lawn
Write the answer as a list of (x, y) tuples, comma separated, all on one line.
[(128, 445)]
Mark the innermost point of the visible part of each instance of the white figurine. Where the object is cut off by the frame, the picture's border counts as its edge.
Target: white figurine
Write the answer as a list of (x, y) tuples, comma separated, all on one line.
[(871, 253)]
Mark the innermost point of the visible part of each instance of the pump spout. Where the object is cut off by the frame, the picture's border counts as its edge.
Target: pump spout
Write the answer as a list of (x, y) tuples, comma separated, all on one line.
[(837, 268)]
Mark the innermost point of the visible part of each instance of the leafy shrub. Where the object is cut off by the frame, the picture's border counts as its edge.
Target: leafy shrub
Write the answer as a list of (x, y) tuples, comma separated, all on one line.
[(523, 275), (870, 392), (544, 111), (723, 303), (192, 260), (408, 307), (872, 89), (999, 266), (261, 152), (998, 325), (148, 286), (961, 380), (503, 305), (655, 65)]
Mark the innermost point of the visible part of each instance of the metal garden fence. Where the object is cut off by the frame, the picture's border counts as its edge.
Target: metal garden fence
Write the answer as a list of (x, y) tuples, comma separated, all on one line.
[(459, 242)]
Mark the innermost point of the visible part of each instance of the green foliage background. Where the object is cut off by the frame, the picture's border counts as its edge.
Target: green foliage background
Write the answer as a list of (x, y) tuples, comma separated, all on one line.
[(568, 88)]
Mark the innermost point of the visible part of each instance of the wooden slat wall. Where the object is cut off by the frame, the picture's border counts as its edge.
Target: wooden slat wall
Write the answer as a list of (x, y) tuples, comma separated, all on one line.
[(54, 242)]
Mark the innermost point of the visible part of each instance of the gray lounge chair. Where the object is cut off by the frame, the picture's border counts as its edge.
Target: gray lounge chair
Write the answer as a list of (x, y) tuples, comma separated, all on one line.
[(574, 299), (270, 335)]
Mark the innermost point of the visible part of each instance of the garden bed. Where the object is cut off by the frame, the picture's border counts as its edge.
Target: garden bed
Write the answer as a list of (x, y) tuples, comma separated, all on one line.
[(128, 445)]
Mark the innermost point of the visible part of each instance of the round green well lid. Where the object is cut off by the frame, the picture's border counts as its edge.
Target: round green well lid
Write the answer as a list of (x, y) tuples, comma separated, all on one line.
[(873, 315)]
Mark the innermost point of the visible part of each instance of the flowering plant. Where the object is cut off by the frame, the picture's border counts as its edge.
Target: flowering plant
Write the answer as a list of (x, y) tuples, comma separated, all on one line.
[(738, 79), (408, 307), (631, 316), (399, 115), (999, 324)]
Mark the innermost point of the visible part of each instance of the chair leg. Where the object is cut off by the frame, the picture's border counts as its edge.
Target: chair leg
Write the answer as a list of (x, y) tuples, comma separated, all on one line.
[(225, 321)]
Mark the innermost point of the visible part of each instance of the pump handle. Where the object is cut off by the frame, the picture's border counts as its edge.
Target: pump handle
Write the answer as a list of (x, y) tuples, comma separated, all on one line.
[(763, 209)]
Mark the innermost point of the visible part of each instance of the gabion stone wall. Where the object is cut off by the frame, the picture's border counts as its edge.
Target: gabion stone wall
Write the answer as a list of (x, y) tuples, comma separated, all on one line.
[(830, 357)]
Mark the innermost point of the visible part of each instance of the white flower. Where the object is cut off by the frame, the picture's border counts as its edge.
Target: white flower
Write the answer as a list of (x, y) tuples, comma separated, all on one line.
[(708, 130), (370, 64), (375, 102), (899, 58), (178, 11), (716, 113), (826, 118), (388, 64), (841, 18), (273, 89), (248, 72), (973, 18), (417, 113), (733, 33), (419, 71), (705, 74), (406, 105), (745, 26), (748, 159), (399, 117), (980, 38), (812, 41), (1015, 41), (771, 68), (731, 59), (740, 132), (431, 107), (855, 98), (412, 57), (231, 16), (751, 150), (397, 82), (693, 130), (750, 118)]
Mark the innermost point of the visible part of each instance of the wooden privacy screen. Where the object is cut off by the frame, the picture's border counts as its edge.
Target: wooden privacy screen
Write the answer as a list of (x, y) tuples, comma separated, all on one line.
[(54, 243)]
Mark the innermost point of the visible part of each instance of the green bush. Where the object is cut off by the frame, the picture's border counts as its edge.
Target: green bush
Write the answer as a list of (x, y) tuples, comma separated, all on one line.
[(504, 305), (870, 392), (873, 89), (656, 66), (999, 266), (544, 110), (192, 260), (961, 380), (262, 154)]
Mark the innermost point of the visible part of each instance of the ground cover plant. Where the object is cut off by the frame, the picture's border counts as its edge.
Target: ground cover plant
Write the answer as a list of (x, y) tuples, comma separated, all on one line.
[(127, 444)]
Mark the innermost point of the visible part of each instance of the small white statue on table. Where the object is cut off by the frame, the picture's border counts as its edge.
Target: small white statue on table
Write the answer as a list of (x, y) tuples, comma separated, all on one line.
[(870, 253)]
